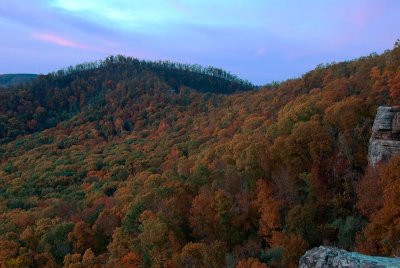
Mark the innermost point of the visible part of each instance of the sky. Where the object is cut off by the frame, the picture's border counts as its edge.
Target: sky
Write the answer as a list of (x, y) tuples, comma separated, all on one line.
[(258, 40)]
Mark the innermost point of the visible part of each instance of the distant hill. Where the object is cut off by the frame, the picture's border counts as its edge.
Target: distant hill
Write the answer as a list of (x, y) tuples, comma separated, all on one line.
[(63, 94), (7, 80)]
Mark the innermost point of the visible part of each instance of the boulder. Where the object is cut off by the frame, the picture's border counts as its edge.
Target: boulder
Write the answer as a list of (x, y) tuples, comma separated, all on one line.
[(385, 138), (328, 257)]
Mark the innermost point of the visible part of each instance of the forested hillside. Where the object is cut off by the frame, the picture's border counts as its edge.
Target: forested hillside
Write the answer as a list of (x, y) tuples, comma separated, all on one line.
[(126, 163), (58, 96)]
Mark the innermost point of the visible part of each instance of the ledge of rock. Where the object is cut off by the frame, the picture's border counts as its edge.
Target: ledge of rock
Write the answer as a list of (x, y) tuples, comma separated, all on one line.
[(385, 138), (327, 257)]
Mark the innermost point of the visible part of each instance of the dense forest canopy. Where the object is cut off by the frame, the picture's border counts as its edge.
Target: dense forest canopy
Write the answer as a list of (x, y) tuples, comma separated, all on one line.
[(126, 163), (58, 96)]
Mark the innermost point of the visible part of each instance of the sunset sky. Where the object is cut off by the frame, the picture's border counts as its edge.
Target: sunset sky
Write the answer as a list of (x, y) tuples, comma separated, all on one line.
[(259, 40)]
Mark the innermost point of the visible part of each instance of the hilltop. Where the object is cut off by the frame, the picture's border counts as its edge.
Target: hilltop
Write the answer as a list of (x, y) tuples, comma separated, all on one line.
[(58, 96)]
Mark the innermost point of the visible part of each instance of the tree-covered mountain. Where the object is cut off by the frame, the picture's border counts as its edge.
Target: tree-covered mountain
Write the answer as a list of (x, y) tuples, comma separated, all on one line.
[(58, 96), (8, 80), (125, 163)]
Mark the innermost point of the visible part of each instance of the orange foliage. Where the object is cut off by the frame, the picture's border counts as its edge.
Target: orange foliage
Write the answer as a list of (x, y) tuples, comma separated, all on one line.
[(370, 186), (250, 263), (81, 237), (131, 260), (269, 209), (293, 247), (381, 236), (394, 86), (199, 255)]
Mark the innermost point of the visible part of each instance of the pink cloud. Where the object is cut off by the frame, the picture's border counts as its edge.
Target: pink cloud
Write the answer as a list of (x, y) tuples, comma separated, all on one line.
[(58, 40)]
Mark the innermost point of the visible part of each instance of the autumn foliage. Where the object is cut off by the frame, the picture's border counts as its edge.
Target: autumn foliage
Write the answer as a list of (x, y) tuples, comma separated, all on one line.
[(125, 163)]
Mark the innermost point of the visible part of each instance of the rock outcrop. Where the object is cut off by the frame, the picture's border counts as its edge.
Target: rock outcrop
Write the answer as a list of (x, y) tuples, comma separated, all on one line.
[(327, 257), (385, 138)]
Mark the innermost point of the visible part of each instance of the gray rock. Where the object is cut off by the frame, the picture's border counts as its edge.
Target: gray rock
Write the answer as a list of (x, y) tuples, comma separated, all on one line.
[(327, 257), (385, 138)]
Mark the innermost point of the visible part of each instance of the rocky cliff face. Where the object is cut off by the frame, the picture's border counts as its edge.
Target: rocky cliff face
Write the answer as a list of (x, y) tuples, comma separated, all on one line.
[(326, 257), (385, 138)]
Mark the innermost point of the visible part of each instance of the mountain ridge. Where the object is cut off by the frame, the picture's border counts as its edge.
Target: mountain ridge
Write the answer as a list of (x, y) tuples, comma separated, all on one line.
[(74, 87)]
